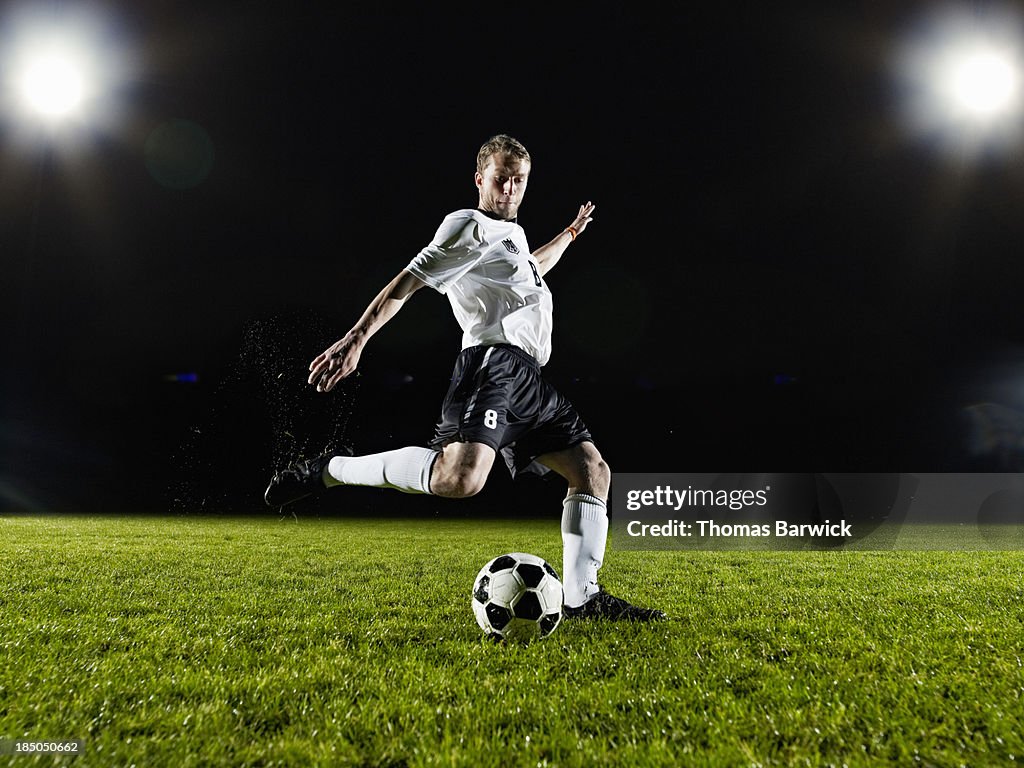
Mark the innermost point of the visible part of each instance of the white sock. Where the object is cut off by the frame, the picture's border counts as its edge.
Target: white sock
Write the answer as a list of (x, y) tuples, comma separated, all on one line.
[(405, 469), (584, 535)]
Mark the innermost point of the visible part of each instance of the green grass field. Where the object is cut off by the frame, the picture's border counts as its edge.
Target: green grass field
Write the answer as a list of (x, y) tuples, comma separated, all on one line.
[(257, 642)]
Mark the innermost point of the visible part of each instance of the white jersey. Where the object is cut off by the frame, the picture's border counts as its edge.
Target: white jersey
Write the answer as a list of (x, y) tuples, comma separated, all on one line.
[(497, 294)]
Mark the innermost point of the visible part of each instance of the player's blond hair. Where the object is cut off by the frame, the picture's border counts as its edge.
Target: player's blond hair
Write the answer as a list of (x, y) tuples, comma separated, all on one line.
[(501, 144)]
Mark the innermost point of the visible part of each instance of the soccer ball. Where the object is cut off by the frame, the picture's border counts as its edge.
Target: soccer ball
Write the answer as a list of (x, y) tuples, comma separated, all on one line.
[(517, 597)]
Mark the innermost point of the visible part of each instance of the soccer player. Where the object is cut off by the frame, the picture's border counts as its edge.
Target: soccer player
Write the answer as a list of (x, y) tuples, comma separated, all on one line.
[(498, 400)]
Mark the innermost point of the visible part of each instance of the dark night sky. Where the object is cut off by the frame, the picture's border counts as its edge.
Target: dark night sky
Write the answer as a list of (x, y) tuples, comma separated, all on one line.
[(779, 277)]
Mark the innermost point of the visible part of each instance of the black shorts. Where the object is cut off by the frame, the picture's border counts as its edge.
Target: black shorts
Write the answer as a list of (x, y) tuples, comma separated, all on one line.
[(498, 397)]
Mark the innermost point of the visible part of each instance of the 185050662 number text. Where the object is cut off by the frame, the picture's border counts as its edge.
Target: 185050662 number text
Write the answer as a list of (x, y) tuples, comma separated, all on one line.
[(41, 746)]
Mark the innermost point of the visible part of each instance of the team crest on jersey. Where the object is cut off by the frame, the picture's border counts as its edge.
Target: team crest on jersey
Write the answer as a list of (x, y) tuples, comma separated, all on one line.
[(510, 246)]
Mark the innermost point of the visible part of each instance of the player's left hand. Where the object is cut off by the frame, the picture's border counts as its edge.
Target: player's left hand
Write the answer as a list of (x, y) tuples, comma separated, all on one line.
[(584, 217)]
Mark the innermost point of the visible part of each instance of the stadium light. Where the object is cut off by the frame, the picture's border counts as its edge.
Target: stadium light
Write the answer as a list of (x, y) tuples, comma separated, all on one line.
[(60, 66), (983, 83), (961, 72), (52, 84)]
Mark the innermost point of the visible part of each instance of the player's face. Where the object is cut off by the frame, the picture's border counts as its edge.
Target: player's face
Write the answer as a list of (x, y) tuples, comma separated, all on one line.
[(502, 185)]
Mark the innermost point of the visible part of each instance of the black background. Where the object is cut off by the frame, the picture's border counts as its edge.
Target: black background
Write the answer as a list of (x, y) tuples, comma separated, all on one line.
[(779, 276)]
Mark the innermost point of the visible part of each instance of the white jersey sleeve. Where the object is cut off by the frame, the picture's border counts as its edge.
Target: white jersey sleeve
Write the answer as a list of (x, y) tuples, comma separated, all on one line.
[(455, 249)]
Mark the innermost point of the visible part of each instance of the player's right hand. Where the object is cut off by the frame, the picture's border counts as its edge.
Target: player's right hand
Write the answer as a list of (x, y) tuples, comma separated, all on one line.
[(334, 363)]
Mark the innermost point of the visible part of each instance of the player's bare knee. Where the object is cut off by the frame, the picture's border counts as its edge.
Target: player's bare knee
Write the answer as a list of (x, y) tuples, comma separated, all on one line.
[(470, 484), (461, 470), (599, 475), (458, 485), (592, 474)]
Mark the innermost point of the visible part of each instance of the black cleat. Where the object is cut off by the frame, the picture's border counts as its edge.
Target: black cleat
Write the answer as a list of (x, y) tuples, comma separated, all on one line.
[(605, 606), (300, 479)]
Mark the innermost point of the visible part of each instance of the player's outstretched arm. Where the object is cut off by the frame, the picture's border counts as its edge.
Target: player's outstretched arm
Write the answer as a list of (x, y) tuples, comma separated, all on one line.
[(548, 255), (341, 358)]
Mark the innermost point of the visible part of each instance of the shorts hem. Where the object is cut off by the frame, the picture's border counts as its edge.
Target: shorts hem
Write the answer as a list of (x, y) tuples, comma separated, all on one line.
[(440, 442)]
